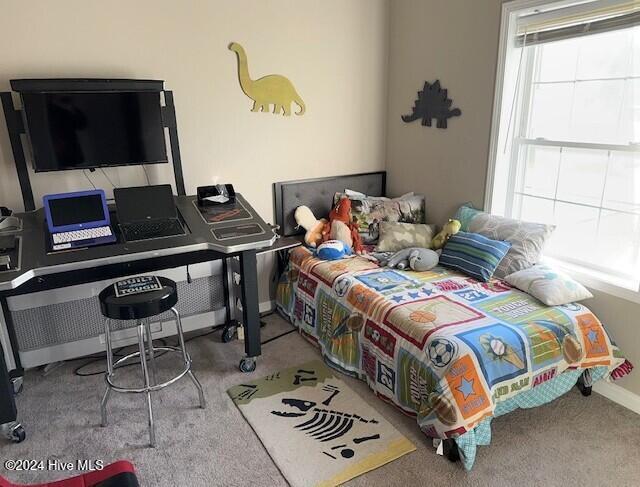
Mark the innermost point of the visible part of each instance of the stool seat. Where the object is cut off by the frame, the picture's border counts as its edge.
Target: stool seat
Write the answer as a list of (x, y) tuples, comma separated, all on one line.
[(139, 306)]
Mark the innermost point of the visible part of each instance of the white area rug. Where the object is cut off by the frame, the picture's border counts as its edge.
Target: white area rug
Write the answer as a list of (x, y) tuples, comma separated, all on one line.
[(317, 430)]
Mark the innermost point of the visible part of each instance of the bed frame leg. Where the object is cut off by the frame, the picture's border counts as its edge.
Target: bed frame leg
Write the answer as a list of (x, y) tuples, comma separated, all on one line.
[(451, 450), (585, 382)]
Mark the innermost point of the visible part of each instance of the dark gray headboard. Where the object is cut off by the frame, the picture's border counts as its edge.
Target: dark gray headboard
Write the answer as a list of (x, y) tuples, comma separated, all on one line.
[(318, 193)]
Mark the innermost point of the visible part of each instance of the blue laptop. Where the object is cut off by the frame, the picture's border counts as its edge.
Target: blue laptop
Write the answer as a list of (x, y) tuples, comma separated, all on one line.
[(78, 220)]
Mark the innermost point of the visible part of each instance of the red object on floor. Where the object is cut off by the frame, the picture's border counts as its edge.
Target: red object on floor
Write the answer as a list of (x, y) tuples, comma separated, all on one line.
[(118, 474)]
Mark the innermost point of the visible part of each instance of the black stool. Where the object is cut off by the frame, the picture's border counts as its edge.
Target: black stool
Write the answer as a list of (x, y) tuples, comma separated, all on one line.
[(140, 307)]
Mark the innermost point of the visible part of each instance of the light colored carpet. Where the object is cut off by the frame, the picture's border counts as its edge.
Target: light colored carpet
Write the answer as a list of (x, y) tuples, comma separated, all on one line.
[(572, 441)]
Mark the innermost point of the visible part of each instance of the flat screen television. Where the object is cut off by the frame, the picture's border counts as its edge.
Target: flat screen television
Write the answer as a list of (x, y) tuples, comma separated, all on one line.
[(91, 129)]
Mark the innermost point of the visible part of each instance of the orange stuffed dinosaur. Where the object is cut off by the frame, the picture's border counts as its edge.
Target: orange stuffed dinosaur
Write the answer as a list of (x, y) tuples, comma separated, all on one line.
[(341, 227)]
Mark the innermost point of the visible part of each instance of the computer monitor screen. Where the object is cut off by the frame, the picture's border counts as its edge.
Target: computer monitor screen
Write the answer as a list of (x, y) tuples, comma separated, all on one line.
[(80, 130), (79, 209)]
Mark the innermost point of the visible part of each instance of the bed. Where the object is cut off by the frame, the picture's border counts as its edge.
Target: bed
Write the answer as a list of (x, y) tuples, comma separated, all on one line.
[(451, 351)]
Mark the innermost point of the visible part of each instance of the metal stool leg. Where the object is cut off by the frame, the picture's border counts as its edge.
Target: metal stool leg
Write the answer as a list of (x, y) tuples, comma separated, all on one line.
[(145, 372), (107, 392), (187, 359), (152, 358)]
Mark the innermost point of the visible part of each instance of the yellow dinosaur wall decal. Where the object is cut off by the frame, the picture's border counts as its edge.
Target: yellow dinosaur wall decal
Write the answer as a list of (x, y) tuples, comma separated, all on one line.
[(273, 89)]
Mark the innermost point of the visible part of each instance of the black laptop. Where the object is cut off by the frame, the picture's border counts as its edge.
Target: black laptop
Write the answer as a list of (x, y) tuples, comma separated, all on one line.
[(147, 212)]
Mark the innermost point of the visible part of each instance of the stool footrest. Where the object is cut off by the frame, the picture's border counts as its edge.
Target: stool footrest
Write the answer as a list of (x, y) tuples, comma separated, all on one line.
[(154, 387), (133, 310)]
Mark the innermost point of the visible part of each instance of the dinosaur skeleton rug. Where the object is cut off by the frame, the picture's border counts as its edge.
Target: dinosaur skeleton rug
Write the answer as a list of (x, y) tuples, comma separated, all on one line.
[(316, 429)]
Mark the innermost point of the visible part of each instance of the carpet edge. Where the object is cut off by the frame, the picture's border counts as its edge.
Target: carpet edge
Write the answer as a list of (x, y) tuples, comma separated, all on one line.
[(396, 449)]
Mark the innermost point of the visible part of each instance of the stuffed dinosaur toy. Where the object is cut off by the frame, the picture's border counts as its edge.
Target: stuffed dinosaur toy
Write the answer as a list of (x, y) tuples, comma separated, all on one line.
[(450, 228), (415, 258), (338, 227), (304, 218), (341, 227)]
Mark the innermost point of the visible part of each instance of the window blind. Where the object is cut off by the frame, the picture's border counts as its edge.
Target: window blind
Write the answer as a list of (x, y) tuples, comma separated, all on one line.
[(578, 20)]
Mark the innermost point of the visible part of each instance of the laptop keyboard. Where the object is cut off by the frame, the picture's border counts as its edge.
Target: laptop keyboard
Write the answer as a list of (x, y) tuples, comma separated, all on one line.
[(151, 229), (84, 234)]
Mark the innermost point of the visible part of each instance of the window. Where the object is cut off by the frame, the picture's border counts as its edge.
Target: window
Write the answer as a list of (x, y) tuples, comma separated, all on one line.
[(566, 141)]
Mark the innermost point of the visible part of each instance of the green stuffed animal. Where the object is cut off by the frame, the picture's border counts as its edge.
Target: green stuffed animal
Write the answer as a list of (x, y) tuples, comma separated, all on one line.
[(450, 228)]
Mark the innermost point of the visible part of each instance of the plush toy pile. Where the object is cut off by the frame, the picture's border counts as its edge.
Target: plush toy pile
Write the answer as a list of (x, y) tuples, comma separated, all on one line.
[(338, 237), (419, 258), (339, 227)]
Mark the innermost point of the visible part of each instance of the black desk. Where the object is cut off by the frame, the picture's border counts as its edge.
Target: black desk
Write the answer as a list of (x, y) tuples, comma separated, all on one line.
[(40, 270)]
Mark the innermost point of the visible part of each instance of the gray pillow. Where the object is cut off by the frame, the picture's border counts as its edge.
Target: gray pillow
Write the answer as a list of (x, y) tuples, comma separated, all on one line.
[(527, 239), (396, 236), (368, 212)]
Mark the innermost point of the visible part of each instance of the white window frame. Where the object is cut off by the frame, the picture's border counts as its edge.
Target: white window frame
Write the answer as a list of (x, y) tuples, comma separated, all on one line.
[(510, 10)]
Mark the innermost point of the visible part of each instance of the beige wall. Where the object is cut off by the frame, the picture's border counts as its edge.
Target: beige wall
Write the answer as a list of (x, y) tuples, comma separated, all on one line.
[(457, 42), (622, 319), (334, 51)]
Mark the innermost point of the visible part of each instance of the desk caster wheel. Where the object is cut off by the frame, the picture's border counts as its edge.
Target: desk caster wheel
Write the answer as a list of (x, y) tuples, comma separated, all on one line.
[(229, 332), (18, 385), (18, 435), (248, 364), (15, 432)]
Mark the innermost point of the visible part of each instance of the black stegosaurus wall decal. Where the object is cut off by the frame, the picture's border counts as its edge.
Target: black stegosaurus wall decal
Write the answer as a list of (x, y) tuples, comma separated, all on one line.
[(432, 103)]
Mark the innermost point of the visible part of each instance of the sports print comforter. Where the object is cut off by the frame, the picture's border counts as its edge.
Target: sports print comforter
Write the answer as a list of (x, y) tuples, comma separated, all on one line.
[(439, 345)]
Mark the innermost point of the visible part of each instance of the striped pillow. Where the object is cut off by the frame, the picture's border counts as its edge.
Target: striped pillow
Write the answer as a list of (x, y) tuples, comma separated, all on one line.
[(474, 254)]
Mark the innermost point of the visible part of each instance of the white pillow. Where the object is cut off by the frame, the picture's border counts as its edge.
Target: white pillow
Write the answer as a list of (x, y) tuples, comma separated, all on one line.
[(351, 192), (357, 194), (550, 286)]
